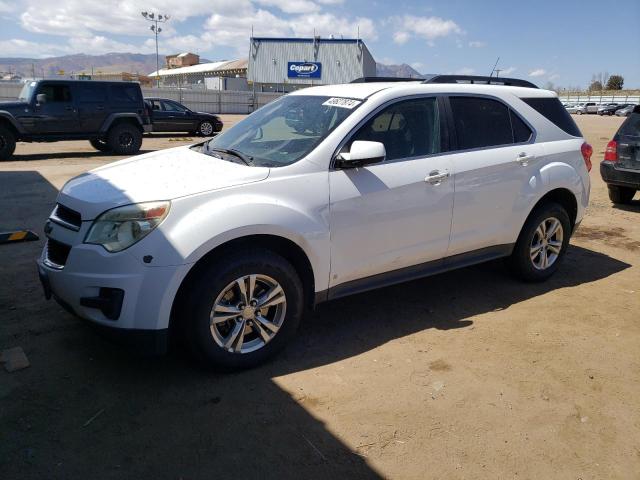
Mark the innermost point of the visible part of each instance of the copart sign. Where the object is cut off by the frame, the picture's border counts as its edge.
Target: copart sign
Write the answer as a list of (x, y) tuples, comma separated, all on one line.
[(304, 70)]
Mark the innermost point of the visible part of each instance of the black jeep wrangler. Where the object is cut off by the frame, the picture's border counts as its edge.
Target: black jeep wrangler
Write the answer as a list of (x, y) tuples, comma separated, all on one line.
[(111, 115)]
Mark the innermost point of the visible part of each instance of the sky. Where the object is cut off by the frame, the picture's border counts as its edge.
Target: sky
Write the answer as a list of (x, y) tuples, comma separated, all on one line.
[(562, 42)]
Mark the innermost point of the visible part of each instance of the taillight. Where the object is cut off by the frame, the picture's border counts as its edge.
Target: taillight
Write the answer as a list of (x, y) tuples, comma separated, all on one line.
[(587, 151), (611, 153)]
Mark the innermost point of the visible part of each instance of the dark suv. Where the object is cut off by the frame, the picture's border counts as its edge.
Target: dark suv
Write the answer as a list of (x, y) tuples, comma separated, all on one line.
[(111, 115), (621, 166)]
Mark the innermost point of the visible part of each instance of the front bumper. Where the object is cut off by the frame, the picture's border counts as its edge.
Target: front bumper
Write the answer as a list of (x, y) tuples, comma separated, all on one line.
[(125, 299), (618, 176)]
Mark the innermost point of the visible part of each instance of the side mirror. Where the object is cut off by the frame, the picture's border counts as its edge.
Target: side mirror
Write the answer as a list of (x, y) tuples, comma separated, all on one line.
[(41, 98), (362, 153)]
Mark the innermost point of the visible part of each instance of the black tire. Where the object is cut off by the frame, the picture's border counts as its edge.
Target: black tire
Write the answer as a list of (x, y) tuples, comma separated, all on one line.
[(520, 262), (212, 281), (622, 195), (124, 139), (205, 129), (7, 143), (100, 144), (579, 112)]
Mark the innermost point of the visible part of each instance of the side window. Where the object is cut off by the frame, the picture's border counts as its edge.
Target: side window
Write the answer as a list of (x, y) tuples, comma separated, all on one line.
[(481, 122), (172, 107), (409, 128), (56, 93), (521, 132), (90, 93), (126, 93)]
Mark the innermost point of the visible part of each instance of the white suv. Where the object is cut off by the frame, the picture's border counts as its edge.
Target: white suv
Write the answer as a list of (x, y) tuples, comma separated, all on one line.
[(323, 193)]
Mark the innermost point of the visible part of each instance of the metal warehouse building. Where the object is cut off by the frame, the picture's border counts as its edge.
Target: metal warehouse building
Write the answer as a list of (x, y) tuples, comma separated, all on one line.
[(286, 64)]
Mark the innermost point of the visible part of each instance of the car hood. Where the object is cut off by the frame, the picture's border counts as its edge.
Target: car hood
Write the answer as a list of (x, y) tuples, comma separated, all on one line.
[(162, 175)]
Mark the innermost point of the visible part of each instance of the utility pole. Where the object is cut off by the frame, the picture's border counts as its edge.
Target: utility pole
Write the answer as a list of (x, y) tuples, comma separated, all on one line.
[(155, 19)]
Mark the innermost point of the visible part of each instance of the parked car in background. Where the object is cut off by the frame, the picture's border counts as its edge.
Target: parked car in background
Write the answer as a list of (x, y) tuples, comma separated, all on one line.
[(626, 111), (611, 108), (111, 115), (171, 116), (572, 107), (589, 107), (621, 166), (325, 192)]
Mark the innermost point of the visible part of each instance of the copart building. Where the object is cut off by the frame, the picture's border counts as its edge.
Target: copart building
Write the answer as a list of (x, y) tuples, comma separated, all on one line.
[(286, 64)]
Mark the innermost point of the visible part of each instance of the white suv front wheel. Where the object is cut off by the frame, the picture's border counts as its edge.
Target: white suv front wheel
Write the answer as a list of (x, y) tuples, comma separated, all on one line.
[(243, 309)]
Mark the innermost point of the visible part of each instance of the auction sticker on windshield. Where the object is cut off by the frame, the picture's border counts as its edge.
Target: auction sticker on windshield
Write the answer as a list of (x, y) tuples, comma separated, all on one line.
[(342, 102)]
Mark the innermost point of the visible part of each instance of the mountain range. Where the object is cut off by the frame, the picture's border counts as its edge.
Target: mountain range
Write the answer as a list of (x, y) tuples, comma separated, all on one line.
[(128, 62)]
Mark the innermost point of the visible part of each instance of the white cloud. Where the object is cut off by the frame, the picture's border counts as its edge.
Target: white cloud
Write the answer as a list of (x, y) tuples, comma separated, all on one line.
[(554, 76), (538, 72), (429, 28), (292, 6), (465, 71), (6, 7), (508, 71), (401, 37), (477, 44)]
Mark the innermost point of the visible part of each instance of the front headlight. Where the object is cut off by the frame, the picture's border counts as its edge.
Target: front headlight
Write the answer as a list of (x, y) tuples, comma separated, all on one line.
[(121, 227)]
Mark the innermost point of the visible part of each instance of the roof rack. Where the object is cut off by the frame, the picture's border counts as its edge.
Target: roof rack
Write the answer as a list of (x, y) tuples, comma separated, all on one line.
[(476, 79), (385, 79)]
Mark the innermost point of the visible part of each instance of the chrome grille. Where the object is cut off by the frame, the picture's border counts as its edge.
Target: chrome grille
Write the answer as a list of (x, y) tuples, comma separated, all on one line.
[(57, 253), (66, 217)]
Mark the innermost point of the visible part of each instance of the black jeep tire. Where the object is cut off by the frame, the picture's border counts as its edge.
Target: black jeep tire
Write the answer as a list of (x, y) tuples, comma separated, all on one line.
[(523, 262), (124, 139), (621, 195), (100, 144), (7, 143), (213, 281)]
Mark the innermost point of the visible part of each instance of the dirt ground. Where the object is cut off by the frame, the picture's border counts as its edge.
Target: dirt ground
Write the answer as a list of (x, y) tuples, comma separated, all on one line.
[(469, 374)]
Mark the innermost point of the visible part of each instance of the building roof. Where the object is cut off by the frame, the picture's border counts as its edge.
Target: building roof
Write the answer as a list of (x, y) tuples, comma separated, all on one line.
[(307, 40), (213, 67)]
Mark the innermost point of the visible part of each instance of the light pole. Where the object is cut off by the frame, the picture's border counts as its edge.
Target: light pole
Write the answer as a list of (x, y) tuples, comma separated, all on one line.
[(155, 19)]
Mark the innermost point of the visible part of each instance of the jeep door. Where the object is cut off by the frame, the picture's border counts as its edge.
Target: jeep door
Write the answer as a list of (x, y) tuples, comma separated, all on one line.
[(494, 160), (58, 114), (395, 214), (91, 98)]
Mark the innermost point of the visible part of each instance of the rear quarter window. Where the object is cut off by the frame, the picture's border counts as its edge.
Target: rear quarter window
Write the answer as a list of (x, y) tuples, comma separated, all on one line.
[(631, 126), (125, 93), (552, 110)]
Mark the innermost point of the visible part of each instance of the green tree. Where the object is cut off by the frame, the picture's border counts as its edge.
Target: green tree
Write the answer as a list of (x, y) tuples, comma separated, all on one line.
[(615, 82), (595, 86)]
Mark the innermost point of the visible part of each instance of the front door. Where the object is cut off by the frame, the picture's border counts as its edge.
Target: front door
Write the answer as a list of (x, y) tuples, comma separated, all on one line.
[(395, 214), (175, 118), (58, 114)]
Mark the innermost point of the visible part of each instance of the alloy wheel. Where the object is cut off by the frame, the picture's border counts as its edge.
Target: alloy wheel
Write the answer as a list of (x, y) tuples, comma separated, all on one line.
[(248, 313), (206, 128), (546, 243)]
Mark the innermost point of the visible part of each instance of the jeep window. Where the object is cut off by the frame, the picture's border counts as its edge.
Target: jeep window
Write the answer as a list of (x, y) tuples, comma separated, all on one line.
[(91, 93), (481, 122), (125, 93), (552, 110), (173, 107), (56, 93), (285, 130), (409, 128), (27, 91)]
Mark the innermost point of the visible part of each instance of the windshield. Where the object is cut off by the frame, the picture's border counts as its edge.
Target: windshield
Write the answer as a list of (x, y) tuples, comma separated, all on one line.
[(285, 130), (27, 90)]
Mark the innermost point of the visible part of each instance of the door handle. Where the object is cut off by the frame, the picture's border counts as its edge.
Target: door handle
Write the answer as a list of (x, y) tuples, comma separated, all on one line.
[(524, 159), (436, 177)]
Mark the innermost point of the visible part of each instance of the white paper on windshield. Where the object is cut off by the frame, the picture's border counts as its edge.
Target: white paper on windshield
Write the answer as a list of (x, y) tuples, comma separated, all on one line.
[(349, 103)]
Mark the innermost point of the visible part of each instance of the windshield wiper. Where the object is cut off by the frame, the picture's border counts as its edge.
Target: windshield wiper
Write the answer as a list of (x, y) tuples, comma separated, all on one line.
[(246, 159)]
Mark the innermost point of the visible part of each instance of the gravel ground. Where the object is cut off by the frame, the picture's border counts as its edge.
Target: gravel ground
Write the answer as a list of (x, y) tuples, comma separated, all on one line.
[(468, 374)]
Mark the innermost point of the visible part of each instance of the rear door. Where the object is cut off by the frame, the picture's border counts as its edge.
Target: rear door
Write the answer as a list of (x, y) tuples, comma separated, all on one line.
[(59, 113), (628, 138), (495, 160), (91, 100), (176, 117)]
